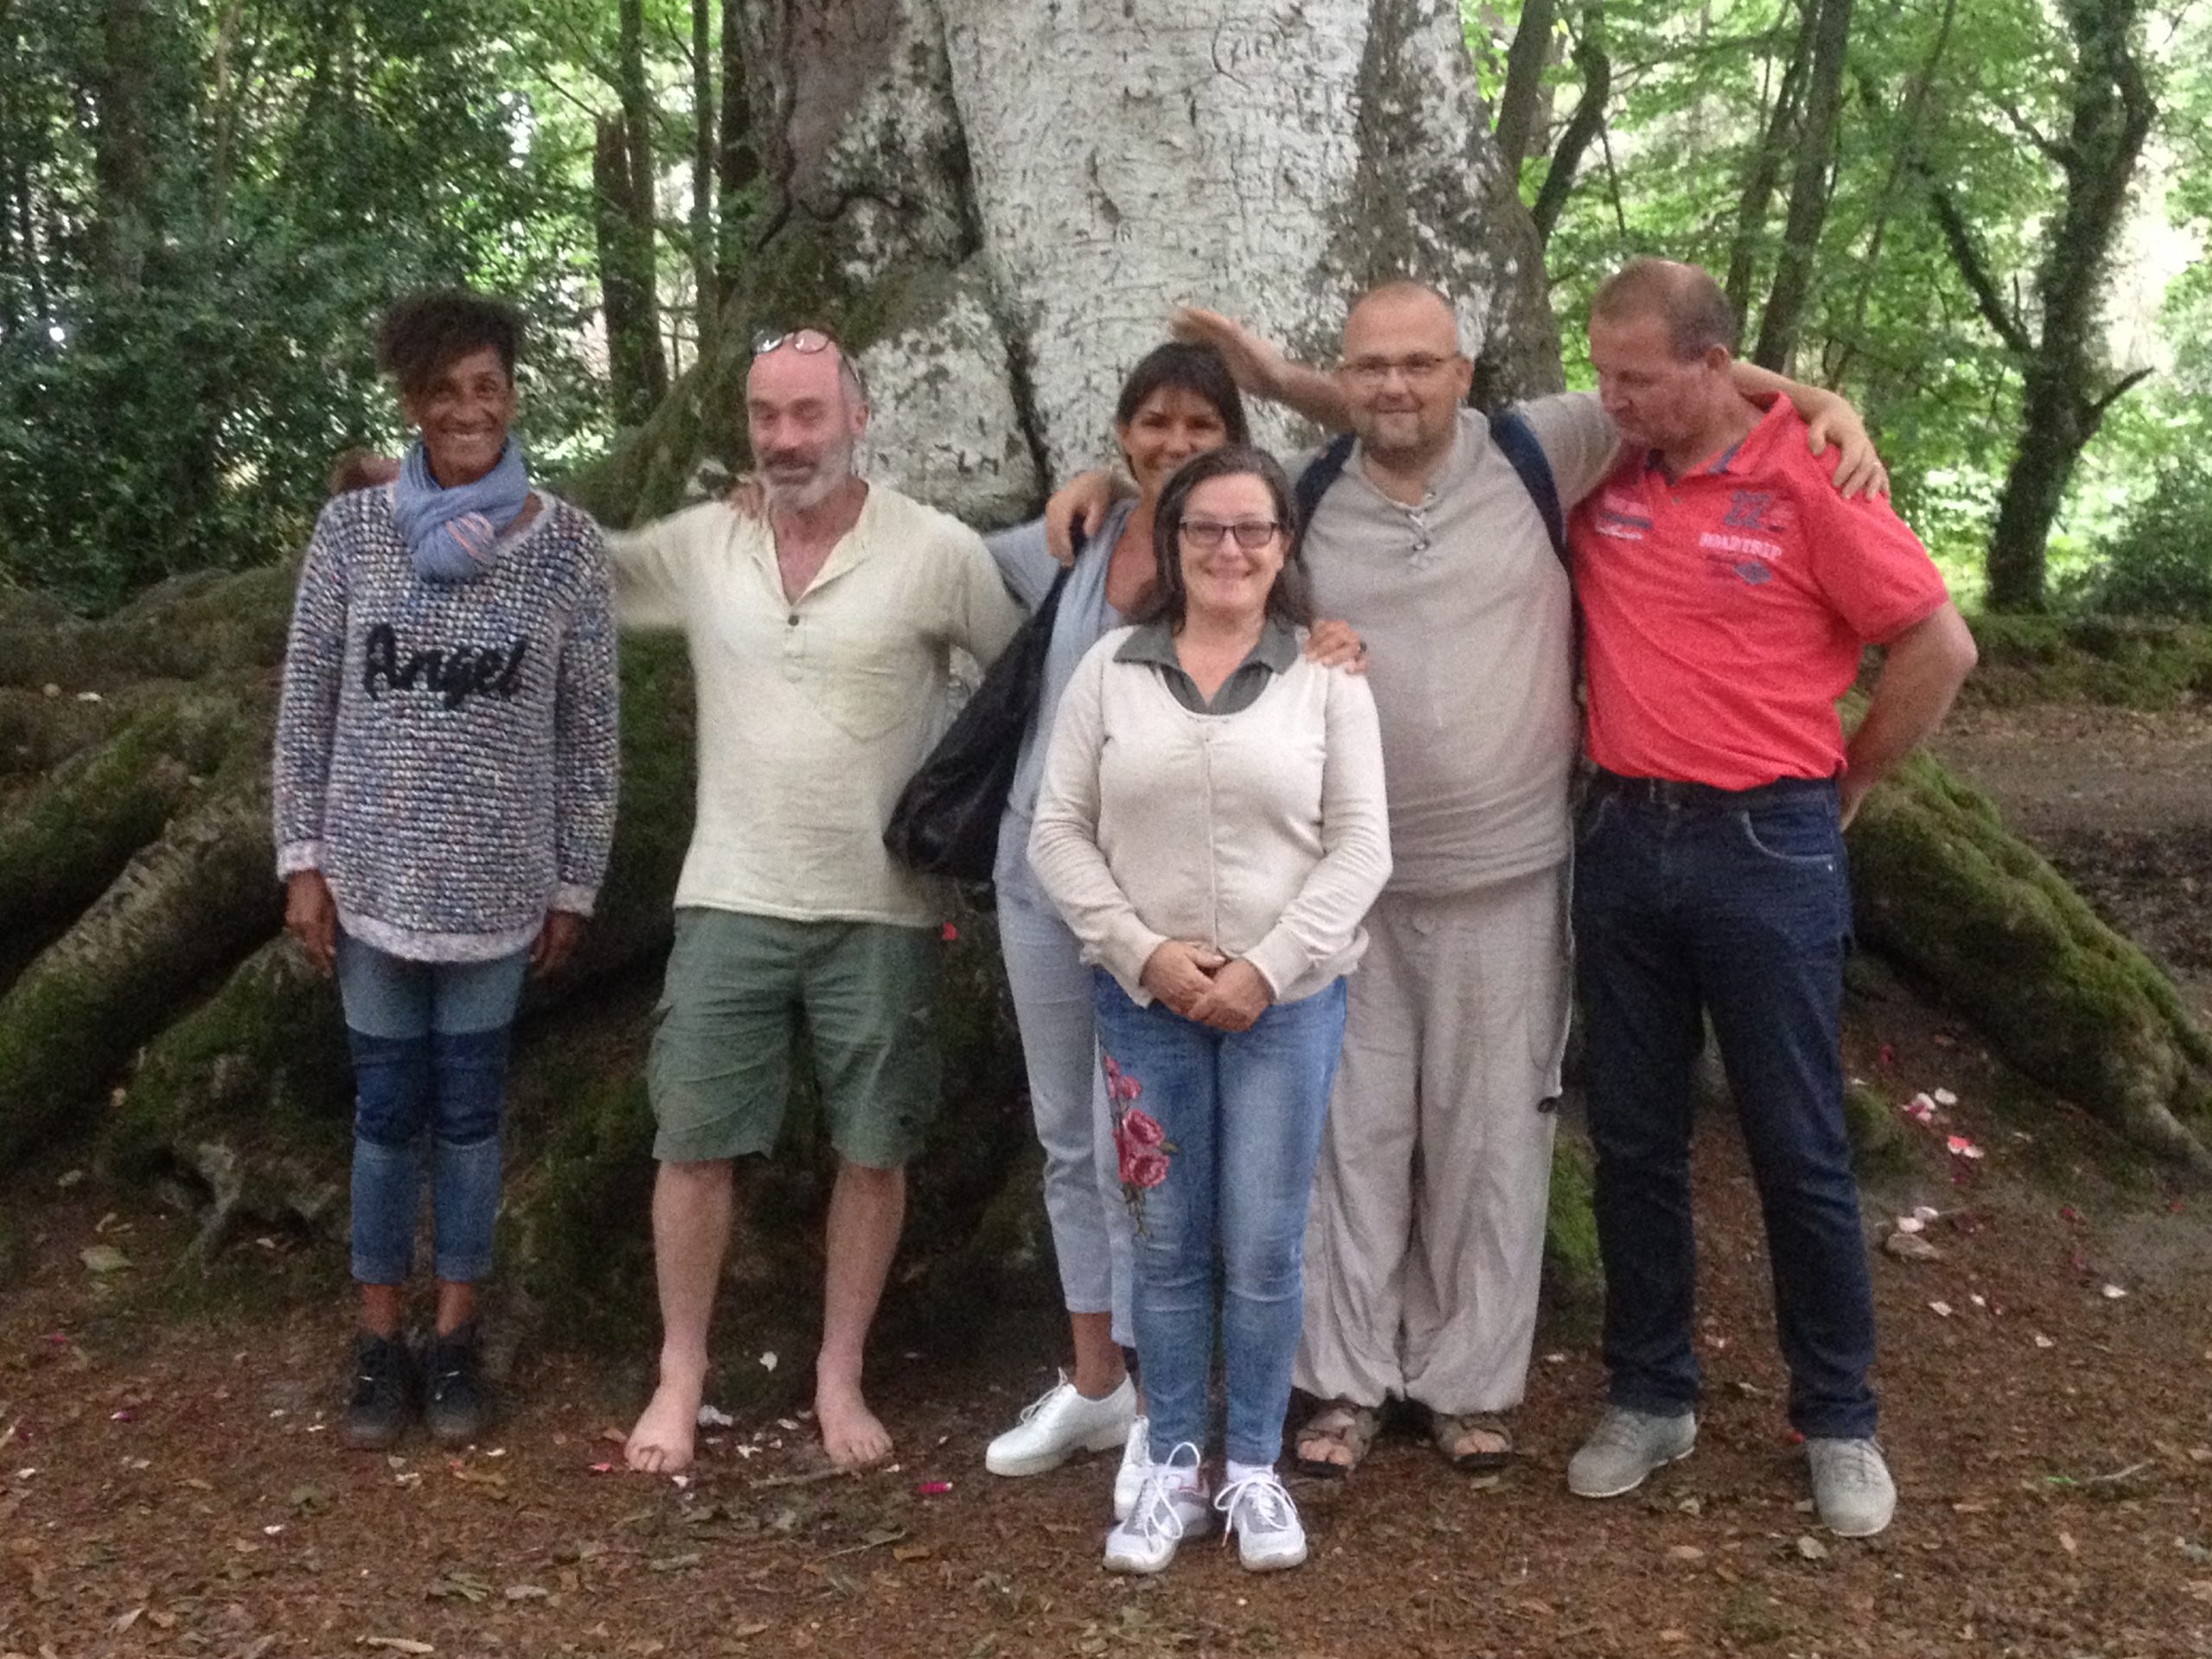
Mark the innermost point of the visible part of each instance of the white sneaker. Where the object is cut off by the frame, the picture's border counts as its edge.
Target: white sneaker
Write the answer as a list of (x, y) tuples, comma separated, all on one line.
[(1136, 1463), (1269, 1536), (1171, 1506), (1059, 1423)]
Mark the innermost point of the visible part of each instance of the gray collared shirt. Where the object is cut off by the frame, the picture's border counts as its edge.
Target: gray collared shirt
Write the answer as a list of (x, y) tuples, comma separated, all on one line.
[(1154, 643)]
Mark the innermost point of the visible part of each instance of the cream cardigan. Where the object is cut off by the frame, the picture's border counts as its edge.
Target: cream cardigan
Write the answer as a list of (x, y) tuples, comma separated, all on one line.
[(1260, 834)]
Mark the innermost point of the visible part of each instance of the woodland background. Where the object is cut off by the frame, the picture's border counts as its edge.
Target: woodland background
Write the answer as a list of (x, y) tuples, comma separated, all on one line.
[(1983, 220)]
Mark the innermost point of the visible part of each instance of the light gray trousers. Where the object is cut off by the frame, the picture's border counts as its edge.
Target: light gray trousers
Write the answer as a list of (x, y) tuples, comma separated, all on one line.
[(1425, 1248), (1053, 1007)]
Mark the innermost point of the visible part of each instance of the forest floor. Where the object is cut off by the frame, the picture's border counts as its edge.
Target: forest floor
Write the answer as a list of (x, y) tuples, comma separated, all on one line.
[(170, 1484)]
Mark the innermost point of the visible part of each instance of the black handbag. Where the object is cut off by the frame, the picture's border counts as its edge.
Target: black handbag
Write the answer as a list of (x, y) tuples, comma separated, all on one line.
[(946, 822)]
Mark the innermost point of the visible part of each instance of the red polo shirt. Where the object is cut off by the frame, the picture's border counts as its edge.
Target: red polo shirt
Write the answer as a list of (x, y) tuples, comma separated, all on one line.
[(1725, 612)]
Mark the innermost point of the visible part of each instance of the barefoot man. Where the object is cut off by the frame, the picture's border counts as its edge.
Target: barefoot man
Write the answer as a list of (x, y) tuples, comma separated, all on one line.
[(820, 636)]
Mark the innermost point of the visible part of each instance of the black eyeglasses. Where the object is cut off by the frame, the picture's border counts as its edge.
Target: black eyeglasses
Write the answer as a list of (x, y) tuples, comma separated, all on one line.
[(1251, 534)]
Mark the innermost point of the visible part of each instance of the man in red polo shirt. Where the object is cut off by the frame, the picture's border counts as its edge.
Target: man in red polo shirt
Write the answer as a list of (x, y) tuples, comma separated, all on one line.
[(1727, 591)]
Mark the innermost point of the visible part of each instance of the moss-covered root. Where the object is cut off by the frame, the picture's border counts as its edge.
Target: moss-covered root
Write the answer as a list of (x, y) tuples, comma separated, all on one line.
[(1973, 915), (65, 840), (182, 912), (208, 623), (247, 1092)]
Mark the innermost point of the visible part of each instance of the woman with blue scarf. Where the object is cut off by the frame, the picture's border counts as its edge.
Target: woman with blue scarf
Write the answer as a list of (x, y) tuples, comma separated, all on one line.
[(445, 782)]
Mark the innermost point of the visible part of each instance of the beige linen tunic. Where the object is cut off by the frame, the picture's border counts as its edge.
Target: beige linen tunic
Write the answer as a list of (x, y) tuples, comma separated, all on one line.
[(813, 711)]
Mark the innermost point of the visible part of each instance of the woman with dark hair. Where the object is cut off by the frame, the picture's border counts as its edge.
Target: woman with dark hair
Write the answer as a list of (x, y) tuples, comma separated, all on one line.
[(445, 783), (1179, 401), (1211, 824)]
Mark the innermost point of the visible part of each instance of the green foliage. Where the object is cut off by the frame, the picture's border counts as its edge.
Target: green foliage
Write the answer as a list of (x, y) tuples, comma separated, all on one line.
[(1946, 90), (2160, 561), (212, 228)]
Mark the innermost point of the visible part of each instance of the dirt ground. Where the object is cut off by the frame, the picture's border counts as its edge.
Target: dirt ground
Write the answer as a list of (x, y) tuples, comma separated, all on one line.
[(169, 1482)]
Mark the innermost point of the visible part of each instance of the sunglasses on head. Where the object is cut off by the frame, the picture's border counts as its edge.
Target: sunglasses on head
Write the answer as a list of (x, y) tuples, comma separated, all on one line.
[(808, 342)]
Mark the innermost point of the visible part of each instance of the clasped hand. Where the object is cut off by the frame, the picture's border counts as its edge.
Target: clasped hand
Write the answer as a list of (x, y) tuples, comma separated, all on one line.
[(1202, 985)]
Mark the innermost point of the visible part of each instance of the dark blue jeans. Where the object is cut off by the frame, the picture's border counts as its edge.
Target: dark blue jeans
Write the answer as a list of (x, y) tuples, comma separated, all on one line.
[(1695, 902)]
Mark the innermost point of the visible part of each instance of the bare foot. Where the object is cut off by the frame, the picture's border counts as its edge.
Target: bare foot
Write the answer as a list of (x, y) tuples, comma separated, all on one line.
[(661, 1443), (850, 1433)]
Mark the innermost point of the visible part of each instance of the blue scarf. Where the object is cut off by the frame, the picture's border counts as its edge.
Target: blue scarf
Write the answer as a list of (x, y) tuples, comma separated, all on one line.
[(454, 533)]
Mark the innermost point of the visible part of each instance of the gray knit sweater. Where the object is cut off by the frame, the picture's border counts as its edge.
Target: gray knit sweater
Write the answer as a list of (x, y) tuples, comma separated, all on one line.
[(447, 752)]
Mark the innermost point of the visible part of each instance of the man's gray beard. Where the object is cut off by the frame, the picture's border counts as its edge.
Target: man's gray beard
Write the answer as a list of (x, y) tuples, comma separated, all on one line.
[(835, 467)]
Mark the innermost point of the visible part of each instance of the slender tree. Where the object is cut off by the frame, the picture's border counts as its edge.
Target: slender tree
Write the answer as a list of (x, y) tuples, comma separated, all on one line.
[(706, 278), (2066, 388), (1830, 23)]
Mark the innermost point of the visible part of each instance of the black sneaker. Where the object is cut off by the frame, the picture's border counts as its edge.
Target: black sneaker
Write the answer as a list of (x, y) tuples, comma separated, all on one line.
[(384, 1393), (459, 1405)]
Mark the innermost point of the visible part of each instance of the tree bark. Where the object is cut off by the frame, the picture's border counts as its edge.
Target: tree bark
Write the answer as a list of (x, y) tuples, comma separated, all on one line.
[(625, 276), (123, 145), (1762, 171), (737, 158), (1583, 126), (1809, 189), (706, 277), (2110, 110), (1521, 105), (636, 223)]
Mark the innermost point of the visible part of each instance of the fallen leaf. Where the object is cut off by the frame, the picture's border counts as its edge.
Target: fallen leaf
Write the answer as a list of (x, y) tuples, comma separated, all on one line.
[(1910, 1246), (1811, 1548), (396, 1644), (1686, 1552), (680, 1561), (2066, 1543), (103, 1258), (2041, 1341), (713, 1417), (744, 1632), (1941, 1310), (527, 1592), (2113, 1292), (912, 1553)]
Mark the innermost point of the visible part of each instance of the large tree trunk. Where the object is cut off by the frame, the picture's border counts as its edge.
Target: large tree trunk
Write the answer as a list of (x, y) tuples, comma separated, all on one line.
[(997, 217)]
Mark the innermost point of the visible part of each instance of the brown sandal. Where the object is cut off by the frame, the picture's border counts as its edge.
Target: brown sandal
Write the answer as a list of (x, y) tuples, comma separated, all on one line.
[(1447, 1429), (1339, 1422)]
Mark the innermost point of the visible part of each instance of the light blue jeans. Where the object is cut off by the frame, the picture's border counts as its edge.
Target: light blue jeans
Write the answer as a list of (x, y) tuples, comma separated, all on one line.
[(1217, 1135), (430, 1042)]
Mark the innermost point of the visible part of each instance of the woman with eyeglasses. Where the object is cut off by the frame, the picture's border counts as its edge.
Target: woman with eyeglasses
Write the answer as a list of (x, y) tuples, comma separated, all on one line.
[(1178, 402), (1211, 824)]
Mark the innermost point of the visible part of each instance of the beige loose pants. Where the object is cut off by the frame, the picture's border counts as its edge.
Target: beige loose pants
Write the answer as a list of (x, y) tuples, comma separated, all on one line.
[(1426, 1244)]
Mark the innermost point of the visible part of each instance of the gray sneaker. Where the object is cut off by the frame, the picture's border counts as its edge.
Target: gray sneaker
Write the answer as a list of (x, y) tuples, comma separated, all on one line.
[(1851, 1487), (1625, 1448)]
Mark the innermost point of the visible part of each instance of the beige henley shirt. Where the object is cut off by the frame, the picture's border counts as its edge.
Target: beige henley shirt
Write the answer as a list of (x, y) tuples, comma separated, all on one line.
[(1467, 615), (813, 712)]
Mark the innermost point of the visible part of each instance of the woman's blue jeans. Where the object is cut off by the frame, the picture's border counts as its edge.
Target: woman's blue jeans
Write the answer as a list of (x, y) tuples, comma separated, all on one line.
[(430, 1042), (1217, 1135)]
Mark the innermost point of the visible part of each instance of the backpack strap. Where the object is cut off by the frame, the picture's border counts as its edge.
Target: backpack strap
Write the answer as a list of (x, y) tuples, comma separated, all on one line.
[(1516, 441), (1321, 472)]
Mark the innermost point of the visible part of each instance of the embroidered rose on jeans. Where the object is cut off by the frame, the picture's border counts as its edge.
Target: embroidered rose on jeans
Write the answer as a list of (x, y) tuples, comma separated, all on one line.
[(1141, 1146)]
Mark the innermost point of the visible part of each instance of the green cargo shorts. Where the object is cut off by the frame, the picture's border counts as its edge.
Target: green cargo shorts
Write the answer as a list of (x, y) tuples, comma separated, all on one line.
[(742, 988)]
